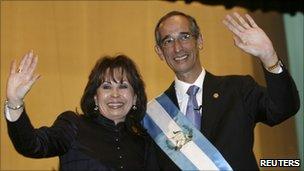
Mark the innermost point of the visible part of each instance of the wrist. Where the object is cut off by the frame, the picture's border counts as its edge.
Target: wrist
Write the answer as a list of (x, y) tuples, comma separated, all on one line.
[(276, 68), (270, 60), (14, 100), (14, 105)]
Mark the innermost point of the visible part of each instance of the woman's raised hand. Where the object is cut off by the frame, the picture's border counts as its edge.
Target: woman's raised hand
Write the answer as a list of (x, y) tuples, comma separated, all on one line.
[(21, 78)]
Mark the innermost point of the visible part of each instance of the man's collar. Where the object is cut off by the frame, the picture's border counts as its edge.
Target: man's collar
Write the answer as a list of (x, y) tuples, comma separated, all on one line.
[(182, 86)]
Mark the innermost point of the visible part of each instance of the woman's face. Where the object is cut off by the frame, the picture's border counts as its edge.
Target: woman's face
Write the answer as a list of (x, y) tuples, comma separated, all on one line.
[(115, 96)]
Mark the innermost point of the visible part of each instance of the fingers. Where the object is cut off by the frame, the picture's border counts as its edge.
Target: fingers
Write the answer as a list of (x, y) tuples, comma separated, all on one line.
[(33, 65), (233, 25), (27, 64), (251, 21), (24, 58), (241, 20), (28, 61), (241, 25)]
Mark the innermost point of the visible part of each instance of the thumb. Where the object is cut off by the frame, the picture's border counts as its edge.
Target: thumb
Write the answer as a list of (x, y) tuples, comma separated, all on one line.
[(238, 42), (33, 80)]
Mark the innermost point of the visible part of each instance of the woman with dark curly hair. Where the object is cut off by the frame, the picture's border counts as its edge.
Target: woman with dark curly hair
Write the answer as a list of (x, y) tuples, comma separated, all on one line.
[(108, 136)]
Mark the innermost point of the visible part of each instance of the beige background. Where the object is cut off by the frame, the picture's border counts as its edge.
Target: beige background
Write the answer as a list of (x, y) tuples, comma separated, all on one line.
[(70, 36)]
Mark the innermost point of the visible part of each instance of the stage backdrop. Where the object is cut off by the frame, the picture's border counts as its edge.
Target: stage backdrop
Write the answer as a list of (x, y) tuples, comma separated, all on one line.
[(70, 36)]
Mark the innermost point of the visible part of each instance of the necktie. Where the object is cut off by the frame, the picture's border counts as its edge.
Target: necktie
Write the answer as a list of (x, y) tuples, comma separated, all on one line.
[(192, 111)]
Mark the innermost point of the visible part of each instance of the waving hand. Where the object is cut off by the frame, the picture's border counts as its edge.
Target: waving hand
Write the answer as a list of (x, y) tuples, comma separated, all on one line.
[(21, 80), (249, 37)]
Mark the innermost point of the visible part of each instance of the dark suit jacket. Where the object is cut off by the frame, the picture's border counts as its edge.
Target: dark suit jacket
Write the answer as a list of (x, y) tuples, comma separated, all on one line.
[(228, 121)]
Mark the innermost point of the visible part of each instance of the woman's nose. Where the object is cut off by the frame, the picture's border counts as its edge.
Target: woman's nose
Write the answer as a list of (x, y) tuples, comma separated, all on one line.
[(115, 92)]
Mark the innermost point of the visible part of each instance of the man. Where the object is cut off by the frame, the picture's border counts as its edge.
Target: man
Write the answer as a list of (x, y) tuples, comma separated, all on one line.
[(225, 109)]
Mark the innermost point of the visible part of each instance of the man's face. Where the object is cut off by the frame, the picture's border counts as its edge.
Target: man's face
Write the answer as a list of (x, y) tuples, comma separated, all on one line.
[(178, 46)]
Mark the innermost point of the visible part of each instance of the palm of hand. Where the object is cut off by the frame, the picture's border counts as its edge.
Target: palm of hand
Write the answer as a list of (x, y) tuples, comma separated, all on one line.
[(249, 37), (18, 85), (255, 42), (20, 81)]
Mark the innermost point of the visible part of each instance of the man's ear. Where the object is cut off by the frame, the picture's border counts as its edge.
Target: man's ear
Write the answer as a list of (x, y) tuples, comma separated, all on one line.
[(159, 52), (200, 41)]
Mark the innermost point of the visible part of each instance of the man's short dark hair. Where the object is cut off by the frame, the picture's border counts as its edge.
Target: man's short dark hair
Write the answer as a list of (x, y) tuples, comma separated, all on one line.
[(194, 28)]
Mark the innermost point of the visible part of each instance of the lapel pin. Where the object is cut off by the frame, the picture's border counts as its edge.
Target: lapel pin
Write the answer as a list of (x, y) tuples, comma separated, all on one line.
[(216, 95)]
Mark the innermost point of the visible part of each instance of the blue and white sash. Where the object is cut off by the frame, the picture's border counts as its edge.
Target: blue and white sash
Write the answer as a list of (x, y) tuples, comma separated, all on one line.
[(179, 139)]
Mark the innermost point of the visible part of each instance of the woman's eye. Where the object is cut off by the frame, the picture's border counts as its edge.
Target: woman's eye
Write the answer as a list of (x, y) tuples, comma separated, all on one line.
[(105, 86), (123, 86)]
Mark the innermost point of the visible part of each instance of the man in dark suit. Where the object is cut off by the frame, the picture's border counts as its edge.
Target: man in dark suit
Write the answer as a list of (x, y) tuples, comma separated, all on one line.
[(230, 106)]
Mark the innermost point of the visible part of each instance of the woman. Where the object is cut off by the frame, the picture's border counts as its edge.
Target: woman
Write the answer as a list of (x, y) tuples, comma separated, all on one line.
[(108, 136)]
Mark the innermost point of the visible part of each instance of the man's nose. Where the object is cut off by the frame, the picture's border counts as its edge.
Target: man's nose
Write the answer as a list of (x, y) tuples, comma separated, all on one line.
[(177, 45)]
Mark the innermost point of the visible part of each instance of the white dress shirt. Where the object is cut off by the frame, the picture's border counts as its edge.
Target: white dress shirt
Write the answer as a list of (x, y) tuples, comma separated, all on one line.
[(181, 91)]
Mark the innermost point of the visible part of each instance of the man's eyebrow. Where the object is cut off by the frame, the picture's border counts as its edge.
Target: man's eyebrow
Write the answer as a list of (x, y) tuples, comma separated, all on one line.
[(184, 33)]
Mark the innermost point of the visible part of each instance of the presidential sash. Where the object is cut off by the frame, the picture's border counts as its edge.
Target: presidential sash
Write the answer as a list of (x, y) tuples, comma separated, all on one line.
[(179, 139)]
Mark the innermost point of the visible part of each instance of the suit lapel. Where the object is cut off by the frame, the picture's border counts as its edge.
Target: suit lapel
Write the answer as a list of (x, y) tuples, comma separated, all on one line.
[(170, 92), (211, 104)]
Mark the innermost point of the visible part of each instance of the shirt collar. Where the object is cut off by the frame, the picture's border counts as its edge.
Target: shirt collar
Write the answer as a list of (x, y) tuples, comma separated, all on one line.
[(182, 87)]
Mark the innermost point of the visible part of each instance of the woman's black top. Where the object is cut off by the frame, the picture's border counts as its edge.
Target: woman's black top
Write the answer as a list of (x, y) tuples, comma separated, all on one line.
[(84, 143)]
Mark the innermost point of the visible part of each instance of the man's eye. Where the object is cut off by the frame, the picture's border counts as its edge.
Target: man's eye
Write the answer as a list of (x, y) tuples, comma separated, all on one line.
[(185, 37), (167, 41)]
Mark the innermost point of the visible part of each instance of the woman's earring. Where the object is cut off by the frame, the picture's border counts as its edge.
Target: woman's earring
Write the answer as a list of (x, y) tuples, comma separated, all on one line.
[(134, 107), (96, 108)]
